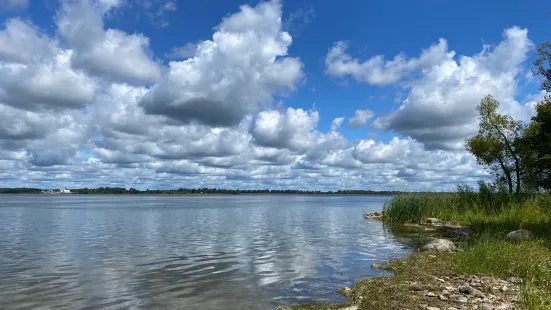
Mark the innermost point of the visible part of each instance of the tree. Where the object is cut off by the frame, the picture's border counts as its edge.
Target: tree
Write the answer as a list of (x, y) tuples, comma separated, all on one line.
[(543, 67), (495, 145), (536, 146)]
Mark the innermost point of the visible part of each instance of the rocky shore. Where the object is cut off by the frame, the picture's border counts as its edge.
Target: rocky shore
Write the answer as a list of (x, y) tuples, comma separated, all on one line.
[(427, 281)]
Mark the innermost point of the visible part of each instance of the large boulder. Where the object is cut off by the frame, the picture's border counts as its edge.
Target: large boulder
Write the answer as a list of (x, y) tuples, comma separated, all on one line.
[(440, 245), (519, 235)]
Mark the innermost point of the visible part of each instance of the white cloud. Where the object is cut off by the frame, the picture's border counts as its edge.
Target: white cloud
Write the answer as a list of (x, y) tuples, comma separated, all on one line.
[(182, 52), (109, 54), (377, 70), (244, 64), (440, 109), (208, 120), (293, 129), (35, 72), (336, 123), (361, 117)]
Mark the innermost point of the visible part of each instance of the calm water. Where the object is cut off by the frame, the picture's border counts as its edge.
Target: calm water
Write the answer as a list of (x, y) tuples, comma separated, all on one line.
[(186, 252)]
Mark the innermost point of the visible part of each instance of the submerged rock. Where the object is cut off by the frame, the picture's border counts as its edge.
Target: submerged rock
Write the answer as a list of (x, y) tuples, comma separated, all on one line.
[(373, 216), (440, 245), (519, 235), (346, 291)]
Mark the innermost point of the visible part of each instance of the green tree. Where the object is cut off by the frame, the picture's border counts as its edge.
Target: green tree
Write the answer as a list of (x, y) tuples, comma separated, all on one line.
[(536, 146), (543, 65), (495, 145)]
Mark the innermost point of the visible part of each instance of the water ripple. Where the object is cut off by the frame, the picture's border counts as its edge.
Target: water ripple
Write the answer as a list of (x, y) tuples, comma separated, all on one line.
[(148, 252)]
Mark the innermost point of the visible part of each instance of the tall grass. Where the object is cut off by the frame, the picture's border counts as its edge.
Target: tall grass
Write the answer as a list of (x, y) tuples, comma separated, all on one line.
[(491, 216), (483, 212)]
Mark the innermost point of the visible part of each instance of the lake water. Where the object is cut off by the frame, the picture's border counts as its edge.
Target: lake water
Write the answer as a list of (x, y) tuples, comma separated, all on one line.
[(186, 252)]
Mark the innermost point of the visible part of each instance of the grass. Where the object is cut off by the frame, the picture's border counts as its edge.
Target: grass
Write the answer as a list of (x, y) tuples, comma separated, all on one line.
[(491, 216), (484, 213), (528, 260)]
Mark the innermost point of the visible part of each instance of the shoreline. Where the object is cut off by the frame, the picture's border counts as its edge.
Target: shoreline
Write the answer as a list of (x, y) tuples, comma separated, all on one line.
[(428, 279)]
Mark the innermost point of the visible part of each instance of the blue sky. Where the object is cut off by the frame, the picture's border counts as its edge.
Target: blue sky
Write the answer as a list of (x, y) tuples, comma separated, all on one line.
[(185, 93)]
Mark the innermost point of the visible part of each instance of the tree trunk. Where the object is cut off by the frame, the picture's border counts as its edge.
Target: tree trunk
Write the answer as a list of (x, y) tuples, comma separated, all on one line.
[(515, 157), (507, 175)]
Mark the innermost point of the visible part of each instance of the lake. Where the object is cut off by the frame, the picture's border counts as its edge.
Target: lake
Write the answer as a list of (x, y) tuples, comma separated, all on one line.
[(186, 252)]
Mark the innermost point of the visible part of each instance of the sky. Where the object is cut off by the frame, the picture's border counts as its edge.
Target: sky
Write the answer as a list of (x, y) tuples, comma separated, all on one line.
[(317, 95)]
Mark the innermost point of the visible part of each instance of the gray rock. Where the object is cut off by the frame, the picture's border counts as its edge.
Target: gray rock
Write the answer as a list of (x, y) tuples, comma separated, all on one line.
[(434, 221), (440, 245), (432, 308), (462, 299), (350, 308), (514, 280), (465, 289), (346, 291), (430, 294), (519, 235), (373, 216)]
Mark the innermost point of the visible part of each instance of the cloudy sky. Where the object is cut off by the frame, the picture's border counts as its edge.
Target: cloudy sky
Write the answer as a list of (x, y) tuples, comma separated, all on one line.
[(246, 94)]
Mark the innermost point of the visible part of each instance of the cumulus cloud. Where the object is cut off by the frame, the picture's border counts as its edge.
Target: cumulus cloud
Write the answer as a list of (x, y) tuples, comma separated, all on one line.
[(183, 52), (291, 129), (440, 109), (206, 120), (377, 70), (336, 123), (360, 118), (107, 53), (35, 72), (244, 64), (442, 90)]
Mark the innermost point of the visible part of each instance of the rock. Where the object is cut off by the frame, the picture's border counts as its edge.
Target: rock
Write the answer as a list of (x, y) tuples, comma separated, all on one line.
[(462, 299), (373, 216), (456, 232), (519, 235), (376, 266), (504, 288), (443, 298), (434, 221), (465, 289), (432, 308), (346, 291), (440, 280), (451, 308), (440, 245), (478, 293), (350, 308), (486, 307), (430, 294), (514, 280)]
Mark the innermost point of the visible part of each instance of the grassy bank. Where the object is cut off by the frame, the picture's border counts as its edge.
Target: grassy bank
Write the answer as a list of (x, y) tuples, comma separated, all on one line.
[(491, 217), (494, 214)]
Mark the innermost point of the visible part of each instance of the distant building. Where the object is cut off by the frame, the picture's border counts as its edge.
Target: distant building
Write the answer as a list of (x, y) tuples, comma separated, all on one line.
[(64, 191)]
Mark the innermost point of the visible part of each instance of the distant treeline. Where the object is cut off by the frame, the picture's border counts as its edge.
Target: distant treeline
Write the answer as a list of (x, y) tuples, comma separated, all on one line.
[(194, 191), (20, 190)]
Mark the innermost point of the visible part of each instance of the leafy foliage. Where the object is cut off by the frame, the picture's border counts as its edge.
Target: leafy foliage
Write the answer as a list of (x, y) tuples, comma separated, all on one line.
[(495, 146)]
